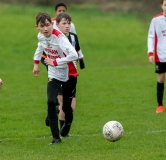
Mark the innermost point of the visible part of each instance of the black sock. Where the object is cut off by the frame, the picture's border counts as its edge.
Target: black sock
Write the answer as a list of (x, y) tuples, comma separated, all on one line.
[(61, 123), (160, 93)]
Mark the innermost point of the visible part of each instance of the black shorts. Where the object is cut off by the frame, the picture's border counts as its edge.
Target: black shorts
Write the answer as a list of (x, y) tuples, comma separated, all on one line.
[(160, 67), (73, 81)]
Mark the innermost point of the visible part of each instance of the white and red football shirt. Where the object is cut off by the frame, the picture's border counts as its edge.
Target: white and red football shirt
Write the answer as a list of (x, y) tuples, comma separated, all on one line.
[(58, 48), (157, 38)]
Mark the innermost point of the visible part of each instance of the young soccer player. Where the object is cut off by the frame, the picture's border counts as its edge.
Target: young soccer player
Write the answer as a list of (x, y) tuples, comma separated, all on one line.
[(62, 8), (157, 52), (1, 82), (63, 23), (59, 52)]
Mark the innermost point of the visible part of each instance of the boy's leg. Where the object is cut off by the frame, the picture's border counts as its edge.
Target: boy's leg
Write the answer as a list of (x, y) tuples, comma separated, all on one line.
[(68, 89), (52, 92), (160, 70), (73, 103), (47, 122), (160, 92), (61, 113)]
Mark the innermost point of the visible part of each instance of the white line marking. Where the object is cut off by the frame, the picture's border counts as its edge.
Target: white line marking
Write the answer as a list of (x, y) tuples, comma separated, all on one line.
[(87, 135)]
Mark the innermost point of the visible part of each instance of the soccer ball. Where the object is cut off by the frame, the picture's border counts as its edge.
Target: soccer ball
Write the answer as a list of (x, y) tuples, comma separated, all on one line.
[(113, 131)]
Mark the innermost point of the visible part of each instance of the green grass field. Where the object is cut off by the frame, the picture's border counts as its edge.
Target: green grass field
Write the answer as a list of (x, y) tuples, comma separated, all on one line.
[(117, 84)]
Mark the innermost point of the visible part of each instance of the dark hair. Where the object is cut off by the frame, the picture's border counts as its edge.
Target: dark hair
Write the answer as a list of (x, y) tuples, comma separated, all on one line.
[(63, 15), (162, 1), (42, 17), (59, 5)]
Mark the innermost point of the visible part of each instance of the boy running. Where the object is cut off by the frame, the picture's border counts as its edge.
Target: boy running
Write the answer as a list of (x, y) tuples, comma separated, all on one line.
[(157, 52), (59, 52), (63, 23)]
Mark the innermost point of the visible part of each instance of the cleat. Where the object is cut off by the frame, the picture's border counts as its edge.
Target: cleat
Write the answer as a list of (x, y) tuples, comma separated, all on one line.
[(160, 109), (55, 141), (65, 129), (67, 136), (47, 122)]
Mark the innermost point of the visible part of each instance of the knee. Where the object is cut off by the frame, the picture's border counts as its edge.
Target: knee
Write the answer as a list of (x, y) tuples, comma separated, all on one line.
[(161, 78)]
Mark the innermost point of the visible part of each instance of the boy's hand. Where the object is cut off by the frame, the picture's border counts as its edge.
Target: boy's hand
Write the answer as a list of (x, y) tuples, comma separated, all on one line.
[(36, 70), (151, 59), (49, 61)]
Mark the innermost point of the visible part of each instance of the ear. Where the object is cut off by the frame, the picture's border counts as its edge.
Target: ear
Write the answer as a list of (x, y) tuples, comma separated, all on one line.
[(36, 27)]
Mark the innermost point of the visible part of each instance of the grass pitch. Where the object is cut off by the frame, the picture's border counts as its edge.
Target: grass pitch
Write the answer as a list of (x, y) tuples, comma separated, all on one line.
[(117, 84)]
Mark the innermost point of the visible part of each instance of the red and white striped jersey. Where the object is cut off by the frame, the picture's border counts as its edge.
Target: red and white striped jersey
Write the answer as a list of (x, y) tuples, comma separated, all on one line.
[(58, 48), (157, 38)]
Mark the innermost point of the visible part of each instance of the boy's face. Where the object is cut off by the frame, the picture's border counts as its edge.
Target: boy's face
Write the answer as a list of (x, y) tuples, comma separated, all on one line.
[(59, 10), (64, 26), (45, 28), (163, 6)]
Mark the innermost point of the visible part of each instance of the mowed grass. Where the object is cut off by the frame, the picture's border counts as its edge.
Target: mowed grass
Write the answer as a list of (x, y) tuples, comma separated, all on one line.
[(117, 84)]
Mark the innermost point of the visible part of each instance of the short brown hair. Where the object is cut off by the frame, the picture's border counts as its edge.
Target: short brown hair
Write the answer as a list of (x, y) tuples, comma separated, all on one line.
[(162, 1), (63, 15), (42, 17)]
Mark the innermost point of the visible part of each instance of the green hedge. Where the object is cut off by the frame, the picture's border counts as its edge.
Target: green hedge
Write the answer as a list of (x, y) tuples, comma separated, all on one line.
[(135, 5)]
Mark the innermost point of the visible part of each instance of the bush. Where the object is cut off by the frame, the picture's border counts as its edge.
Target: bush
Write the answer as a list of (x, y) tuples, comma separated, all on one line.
[(106, 5)]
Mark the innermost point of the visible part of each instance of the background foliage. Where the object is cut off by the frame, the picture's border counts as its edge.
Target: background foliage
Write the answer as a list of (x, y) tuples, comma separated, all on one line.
[(105, 5)]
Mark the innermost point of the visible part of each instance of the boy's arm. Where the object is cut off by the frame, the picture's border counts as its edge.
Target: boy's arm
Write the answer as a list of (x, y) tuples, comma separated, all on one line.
[(38, 53), (80, 54), (68, 50), (151, 38), (36, 70), (72, 28), (79, 51), (37, 58)]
